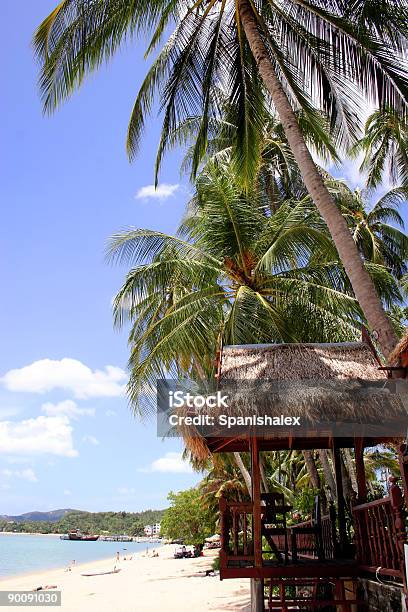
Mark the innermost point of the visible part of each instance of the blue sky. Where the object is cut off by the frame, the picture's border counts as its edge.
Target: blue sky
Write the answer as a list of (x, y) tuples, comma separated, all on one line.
[(67, 436)]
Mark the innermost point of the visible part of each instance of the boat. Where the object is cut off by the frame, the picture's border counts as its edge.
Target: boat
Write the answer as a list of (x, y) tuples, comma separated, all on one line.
[(101, 572), (77, 535)]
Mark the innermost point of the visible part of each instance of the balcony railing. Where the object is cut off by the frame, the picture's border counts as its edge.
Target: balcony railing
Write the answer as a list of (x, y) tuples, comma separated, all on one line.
[(380, 534), (236, 533), (379, 530), (314, 541), (309, 540)]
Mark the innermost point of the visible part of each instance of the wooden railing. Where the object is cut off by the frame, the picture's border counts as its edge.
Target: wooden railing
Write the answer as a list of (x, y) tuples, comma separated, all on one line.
[(237, 540), (380, 534), (309, 543), (236, 532)]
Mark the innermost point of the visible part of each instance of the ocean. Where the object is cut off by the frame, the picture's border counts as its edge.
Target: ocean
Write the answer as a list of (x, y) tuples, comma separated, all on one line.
[(23, 554)]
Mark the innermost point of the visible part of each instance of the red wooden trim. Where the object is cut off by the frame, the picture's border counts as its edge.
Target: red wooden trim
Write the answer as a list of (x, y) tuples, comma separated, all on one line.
[(371, 569), (377, 502), (365, 337), (240, 507), (306, 570), (239, 558)]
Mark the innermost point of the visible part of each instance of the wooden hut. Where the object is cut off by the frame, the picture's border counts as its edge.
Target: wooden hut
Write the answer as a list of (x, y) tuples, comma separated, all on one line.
[(325, 552)]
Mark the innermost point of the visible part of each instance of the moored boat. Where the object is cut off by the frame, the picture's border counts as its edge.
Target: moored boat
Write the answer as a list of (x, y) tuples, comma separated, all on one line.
[(78, 536)]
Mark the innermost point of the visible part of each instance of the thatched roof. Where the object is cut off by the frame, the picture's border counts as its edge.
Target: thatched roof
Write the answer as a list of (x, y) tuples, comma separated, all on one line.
[(347, 360), (335, 387)]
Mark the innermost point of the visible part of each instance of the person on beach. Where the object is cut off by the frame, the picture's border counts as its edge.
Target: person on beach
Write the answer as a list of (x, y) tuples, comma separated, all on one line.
[(70, 566), (118, 557)]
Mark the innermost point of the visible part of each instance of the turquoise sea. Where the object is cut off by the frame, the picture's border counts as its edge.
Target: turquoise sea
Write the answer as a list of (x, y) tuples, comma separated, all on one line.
[(22, 554)]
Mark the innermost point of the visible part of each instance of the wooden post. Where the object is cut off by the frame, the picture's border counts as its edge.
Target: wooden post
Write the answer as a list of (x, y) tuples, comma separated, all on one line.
[(257, 585), (397, 503), (256, 500), (341, 515), (333, 531), (360, 471), (257, 595), (224, 528)]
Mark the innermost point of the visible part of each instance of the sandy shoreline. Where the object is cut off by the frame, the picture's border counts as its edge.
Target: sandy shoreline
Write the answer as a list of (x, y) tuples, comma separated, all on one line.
[(144, 583)]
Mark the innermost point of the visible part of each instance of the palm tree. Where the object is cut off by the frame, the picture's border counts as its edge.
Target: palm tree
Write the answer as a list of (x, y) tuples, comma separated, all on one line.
[(303, 54), (276, 172), (235, 273), (385, 146), (377, 228)]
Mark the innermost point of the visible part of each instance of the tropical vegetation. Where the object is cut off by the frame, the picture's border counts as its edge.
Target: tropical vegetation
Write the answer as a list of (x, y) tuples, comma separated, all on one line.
[(385, 148), (187, 518), (237, 273), (127, 523)]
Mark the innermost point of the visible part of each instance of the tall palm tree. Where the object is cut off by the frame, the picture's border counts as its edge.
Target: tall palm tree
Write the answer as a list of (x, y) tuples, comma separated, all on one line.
[(385, 147), (233, 272), (304, 53)]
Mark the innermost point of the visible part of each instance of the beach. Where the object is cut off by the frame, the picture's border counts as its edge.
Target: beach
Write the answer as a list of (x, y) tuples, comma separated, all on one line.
[(144, 584)]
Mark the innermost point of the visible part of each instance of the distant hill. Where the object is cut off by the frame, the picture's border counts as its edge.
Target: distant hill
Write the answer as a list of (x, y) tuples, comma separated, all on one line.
[(61, 521), (51, 517)]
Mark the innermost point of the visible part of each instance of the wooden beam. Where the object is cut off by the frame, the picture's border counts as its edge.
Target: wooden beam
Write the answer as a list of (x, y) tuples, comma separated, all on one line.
[(360, 471), (256, 499), (300, 570), (341, 515)]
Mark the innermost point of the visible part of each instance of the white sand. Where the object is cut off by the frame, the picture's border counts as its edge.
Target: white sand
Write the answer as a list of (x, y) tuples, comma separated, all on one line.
[(143, 585)]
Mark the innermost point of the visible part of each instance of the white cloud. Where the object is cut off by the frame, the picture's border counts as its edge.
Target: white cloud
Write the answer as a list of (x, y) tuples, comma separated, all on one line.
[(111, 413), (91, 440), (52, 435), (126, 491), (349, 171), (67, 492), (68, 408), (26, 474), (69, 374), (162, 192), (171, 463)]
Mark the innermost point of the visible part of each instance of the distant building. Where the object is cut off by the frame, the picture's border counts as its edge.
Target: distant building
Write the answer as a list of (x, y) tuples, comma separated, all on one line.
[(152, 530)]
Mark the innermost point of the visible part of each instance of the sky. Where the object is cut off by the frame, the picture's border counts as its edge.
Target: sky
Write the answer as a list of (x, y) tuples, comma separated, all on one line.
[(67, 435)]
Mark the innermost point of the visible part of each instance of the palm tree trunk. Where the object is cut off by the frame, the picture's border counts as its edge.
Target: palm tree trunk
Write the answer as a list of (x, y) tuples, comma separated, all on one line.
[(361, 282), (263, 475), (245, 474), (328, 472), (348, 459), (311, 469), (346, 480)]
